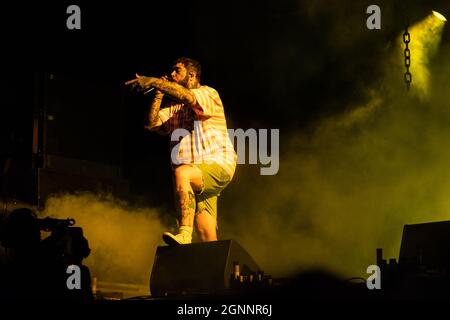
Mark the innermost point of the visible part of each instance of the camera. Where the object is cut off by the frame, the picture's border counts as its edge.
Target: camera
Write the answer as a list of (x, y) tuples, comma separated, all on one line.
[(39, 267)]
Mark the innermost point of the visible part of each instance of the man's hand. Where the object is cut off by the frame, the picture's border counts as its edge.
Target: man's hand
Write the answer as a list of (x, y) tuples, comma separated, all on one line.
[(142, 82)]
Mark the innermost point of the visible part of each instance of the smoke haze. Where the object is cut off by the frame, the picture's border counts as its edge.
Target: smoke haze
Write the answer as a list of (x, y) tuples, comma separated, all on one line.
[(349, 184), (122, 239)]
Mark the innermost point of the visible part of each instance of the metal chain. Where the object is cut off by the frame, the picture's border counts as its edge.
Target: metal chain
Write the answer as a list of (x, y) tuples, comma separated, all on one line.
[(407, 40)]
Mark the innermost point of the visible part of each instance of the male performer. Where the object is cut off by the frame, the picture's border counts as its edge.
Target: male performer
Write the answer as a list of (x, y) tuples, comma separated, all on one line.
[(203, 160)]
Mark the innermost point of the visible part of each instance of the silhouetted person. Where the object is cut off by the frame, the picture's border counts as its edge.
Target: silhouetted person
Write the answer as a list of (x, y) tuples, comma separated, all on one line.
[(37, 269)]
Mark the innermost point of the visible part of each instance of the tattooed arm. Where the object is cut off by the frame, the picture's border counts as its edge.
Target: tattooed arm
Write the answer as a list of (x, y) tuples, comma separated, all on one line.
[(154, 120), (172, 89)]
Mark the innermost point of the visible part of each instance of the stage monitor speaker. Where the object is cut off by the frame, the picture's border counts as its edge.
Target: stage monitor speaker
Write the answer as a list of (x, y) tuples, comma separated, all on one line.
[(426, 246), (197, 268)]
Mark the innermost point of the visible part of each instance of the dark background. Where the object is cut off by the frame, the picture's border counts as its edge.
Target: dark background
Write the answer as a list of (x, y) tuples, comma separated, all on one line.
[(275, 64)]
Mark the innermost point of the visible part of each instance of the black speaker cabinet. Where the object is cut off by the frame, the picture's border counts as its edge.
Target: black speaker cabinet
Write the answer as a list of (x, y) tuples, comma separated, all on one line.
[(426, 246), (198, 268)]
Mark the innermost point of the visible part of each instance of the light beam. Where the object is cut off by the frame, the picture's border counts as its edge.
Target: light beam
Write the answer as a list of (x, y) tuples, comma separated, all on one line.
[(439, 16), (425, 39)]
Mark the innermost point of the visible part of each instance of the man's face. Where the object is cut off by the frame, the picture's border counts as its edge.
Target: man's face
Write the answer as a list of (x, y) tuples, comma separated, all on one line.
[(180, 74)]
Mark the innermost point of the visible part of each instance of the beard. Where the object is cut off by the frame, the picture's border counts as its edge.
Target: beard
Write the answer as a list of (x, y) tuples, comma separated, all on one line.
[(184, 82)]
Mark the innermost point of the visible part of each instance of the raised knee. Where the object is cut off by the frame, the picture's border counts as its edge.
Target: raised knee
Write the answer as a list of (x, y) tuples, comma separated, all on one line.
[(182, 173)]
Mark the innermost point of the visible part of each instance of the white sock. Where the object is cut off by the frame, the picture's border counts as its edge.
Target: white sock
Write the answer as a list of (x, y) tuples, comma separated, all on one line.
[(186, 229)]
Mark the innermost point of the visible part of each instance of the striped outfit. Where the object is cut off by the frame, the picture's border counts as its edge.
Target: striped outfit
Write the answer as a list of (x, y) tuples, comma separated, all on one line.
[(203, 136)]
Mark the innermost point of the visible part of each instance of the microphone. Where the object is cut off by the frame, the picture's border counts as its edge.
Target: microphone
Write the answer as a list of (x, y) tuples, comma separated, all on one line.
[(149, 90)]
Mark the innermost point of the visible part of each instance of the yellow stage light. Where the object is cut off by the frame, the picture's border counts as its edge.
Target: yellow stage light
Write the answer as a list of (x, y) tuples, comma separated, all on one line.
[(425, 38), (439, 16)]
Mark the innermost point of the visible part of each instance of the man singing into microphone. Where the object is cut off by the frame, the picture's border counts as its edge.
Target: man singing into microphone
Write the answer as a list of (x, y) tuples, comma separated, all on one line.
[(203, 160)]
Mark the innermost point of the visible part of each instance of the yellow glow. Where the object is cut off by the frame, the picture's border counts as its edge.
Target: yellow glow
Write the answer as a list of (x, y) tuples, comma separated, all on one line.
[(425, 38), (439, 16)]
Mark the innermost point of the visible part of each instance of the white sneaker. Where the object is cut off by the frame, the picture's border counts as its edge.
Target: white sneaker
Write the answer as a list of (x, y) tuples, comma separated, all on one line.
[(175, 240)]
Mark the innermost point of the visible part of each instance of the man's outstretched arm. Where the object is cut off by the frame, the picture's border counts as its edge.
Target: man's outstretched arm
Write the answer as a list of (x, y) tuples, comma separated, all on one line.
[(172, 89)]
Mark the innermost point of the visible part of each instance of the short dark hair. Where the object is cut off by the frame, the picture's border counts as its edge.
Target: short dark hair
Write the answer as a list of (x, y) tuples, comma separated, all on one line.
[(191, 64)]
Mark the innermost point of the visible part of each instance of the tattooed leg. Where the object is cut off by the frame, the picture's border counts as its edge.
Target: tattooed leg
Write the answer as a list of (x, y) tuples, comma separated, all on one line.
[(186, 207), (186, 178)]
